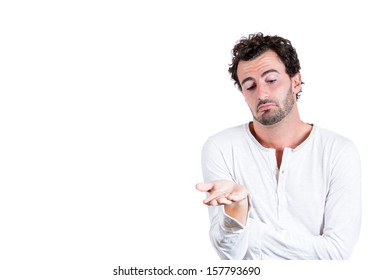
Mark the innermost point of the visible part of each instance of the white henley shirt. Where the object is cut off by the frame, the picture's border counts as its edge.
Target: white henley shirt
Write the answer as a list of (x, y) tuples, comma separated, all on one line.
[(308, 209)]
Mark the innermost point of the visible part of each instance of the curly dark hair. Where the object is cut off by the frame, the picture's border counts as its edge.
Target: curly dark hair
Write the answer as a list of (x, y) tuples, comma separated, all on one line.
[(248, 48)]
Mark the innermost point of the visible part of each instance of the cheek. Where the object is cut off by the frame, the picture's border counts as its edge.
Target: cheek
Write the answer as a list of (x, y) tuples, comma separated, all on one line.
[(282, 88)]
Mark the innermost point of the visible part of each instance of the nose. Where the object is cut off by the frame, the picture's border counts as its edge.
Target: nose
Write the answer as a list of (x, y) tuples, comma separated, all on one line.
[(262, 91)]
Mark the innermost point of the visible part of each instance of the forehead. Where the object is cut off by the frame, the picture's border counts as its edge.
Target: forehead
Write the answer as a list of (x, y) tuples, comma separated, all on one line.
[(252, 68)]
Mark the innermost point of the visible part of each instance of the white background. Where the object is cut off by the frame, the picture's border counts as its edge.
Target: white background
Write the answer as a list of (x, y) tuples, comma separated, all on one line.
[(104, 108)]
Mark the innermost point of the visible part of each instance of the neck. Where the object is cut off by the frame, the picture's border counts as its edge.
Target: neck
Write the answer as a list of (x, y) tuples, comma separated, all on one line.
[(289, 132)]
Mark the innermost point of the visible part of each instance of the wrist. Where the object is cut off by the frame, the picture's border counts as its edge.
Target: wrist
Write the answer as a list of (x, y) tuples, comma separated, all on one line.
[(238, 210)]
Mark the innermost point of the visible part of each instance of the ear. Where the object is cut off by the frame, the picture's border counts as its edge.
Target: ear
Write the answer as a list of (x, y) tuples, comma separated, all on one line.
[(296, 83)]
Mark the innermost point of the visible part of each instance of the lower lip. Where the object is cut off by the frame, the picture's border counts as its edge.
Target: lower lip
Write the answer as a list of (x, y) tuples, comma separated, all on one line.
[(265, 107)]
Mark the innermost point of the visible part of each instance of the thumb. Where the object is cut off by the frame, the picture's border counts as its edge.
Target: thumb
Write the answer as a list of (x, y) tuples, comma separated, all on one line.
[(204, 187)]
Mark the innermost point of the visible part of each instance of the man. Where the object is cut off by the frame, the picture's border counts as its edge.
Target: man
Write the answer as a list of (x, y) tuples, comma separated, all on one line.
[(279, 188)]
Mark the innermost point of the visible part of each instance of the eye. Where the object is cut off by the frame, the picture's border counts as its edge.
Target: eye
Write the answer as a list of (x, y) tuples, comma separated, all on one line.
[(271, 79), (252, 87)]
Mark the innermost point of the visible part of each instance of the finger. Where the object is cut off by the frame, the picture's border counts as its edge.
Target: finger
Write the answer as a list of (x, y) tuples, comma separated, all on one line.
[(219, 201), (223, 201), (216, 196), (204, 187), (212, 203), (213, 195), (237, 196)]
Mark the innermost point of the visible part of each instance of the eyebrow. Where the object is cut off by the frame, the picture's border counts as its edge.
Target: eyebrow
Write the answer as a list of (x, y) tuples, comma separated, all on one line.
[(263, 74)]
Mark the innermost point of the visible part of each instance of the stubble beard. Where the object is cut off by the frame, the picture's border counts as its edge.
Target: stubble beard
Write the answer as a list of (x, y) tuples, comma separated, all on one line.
[(277, 114)]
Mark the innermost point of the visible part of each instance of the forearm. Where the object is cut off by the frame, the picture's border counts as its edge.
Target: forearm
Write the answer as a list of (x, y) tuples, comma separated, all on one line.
[(258, 240), (228, 236), (287, 244), (238, 210)]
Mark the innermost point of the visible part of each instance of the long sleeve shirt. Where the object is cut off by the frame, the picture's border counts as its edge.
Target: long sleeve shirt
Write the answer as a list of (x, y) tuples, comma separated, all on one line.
[(309, 208)]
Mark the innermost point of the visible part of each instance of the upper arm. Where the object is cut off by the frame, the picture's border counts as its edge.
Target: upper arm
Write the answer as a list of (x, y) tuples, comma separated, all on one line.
[(215, 163)]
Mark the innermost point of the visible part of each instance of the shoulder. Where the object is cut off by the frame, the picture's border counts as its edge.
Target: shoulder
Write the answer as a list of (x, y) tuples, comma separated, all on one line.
[(334, 142), (328, 136), (227, 136)]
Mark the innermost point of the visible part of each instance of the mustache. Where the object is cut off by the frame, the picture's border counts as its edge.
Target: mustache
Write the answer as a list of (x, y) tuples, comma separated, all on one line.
[(264, 101)]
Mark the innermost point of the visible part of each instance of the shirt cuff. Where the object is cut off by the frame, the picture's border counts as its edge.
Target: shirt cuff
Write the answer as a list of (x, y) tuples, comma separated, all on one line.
[(230, 224)]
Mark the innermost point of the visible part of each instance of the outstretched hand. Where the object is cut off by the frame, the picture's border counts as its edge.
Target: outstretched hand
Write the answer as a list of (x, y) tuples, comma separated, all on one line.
[(222, 192)]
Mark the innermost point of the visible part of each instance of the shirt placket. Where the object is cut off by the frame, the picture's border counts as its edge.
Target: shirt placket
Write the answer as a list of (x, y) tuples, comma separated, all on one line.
[(279, 179), (281, 184)]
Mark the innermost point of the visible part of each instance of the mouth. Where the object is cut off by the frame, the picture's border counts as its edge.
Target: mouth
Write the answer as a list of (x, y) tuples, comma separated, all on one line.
[(265, 107)]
